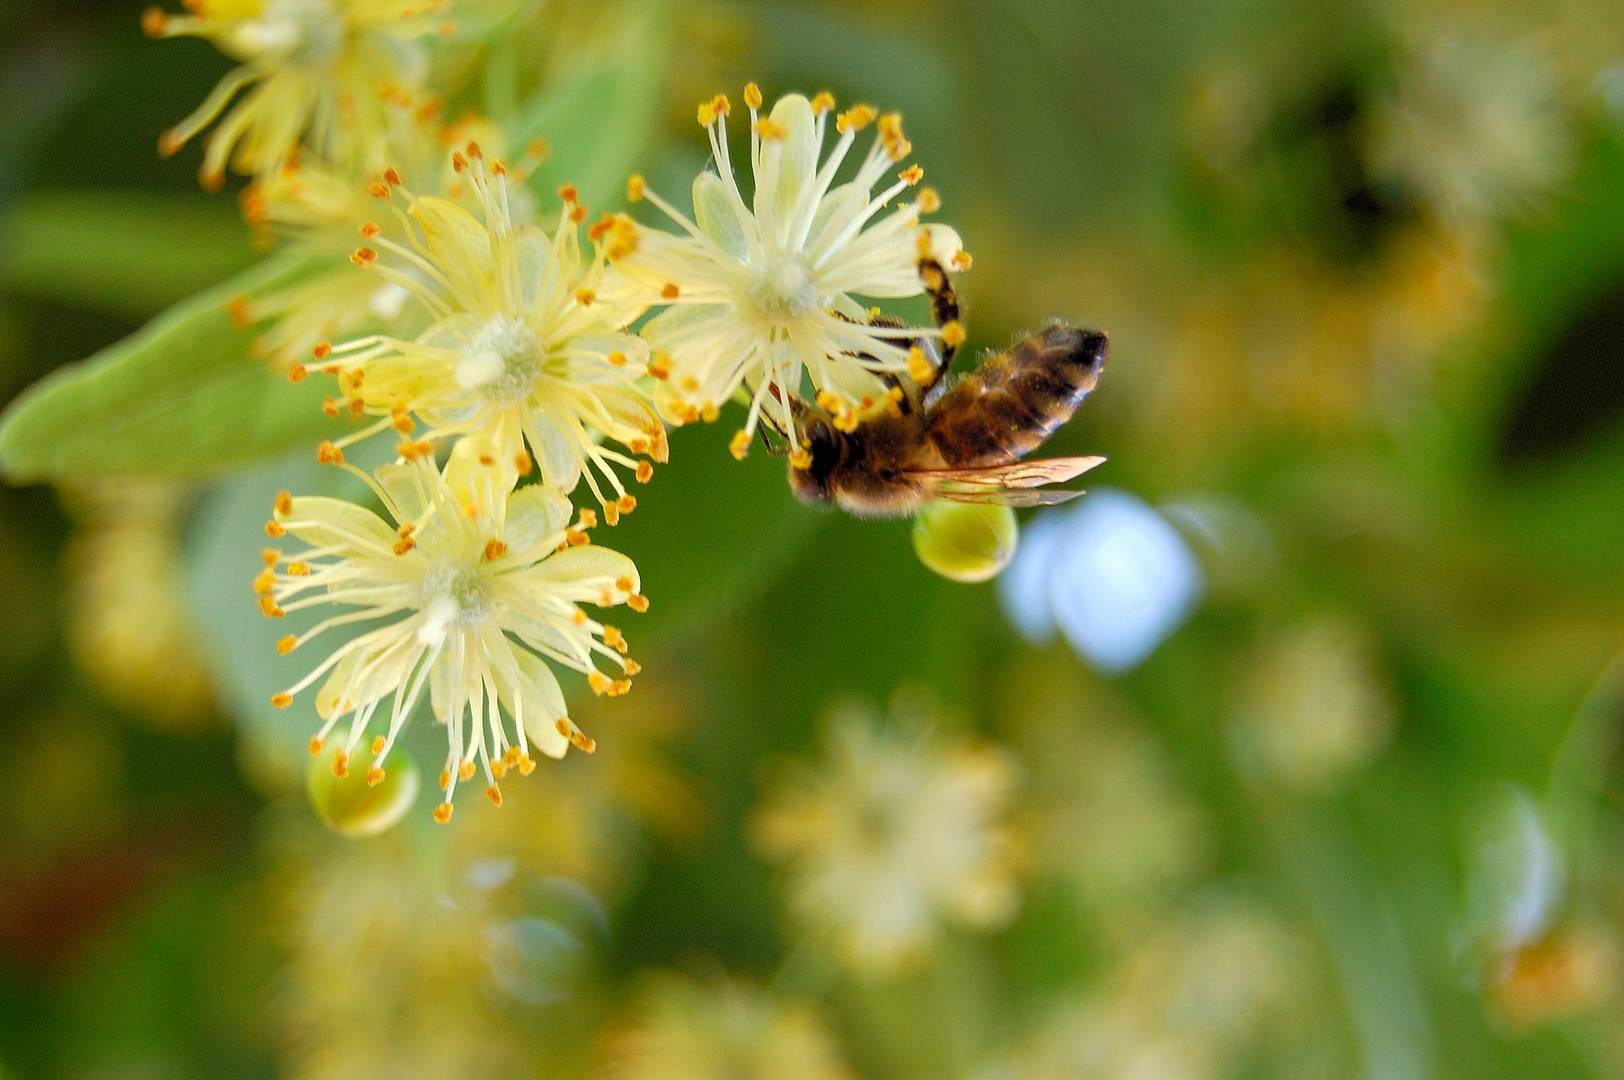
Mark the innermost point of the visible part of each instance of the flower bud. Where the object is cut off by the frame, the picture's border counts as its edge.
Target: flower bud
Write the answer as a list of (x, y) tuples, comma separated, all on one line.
[(966, 542), (352, 799)]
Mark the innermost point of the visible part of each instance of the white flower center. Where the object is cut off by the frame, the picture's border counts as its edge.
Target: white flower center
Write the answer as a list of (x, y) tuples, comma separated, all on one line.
[(454, 596), (502, 360), (306, 32), (781, 288)]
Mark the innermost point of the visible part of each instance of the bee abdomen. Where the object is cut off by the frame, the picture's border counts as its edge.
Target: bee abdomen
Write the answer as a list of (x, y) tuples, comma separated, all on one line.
[(1014, 402)]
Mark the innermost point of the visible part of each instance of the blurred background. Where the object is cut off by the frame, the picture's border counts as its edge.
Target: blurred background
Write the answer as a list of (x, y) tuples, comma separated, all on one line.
[(1293, 750)]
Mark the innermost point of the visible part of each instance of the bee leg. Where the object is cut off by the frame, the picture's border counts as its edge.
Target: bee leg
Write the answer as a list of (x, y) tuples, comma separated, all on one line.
[(944, 303), (768, 420), (779, 448), (890, 378)]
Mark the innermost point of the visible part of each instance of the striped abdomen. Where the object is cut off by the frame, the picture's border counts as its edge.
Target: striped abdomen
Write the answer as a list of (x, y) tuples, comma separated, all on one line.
[(1010, 405)]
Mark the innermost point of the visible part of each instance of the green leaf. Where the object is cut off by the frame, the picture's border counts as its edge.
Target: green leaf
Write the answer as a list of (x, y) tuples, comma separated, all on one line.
[(125, 252), (180, 398), (599, 122)]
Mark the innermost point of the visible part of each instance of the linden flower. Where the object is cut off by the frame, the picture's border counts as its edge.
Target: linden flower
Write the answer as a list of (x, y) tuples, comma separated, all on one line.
[(896, 834), (527, 342), (687, 1031), (474, 597), (764, 290), (311, 71), (314, 206)]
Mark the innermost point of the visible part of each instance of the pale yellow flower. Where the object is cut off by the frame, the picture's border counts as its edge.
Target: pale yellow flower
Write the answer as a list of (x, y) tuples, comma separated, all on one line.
[(128, 623), (766, 290), (471, 599), (1182, 1003), (896, 834), (314, 208), (310, 72), (388, 960), (1313, 707), (527, 343), (1475, 129), (722, 1032)]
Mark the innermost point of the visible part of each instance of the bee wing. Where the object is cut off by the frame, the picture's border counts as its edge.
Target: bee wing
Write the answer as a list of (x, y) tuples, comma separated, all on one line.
[(1016, 497), (1019, 474)]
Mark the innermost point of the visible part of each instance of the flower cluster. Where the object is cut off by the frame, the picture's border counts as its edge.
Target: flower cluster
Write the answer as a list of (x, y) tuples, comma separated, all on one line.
[(896, 836), (314, 71), (513, 357)]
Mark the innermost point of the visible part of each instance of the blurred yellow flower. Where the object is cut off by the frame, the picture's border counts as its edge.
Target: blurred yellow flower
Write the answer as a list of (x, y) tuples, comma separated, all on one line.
[(723, 1031), (1475, 127), (895, 833), (128, 624), (317, 72), (1570, 970), (479, 593), (387, 972), (528, 341), (1109, 816), (1312, 707), (1181, 1004), (764, 290)]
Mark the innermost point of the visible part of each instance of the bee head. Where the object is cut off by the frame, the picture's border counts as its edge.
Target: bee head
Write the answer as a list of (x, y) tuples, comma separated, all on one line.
[(822, 443)]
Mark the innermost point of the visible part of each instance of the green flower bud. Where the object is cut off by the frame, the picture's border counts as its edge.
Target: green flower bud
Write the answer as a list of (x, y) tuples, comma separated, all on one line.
[(965, 542), (357, 798)]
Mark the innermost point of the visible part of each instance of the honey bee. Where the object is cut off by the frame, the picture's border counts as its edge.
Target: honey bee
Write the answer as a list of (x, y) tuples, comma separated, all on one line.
[(961, 440)]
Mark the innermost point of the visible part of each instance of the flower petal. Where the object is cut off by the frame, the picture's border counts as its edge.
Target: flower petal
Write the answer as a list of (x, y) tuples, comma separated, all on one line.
[(718, 215), (535, 514), (543, 704), (558, 457), (325, 522), (456, 241), (539, 277), (789, 164), (582, 564)]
